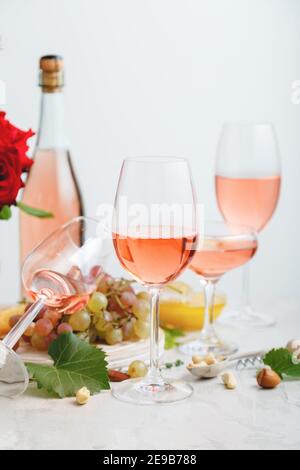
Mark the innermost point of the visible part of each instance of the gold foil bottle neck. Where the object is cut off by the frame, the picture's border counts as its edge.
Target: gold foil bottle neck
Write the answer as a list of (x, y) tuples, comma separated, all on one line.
[(51, 73)]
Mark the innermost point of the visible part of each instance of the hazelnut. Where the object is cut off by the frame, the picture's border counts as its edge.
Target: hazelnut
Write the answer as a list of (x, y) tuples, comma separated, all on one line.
[(210, 359), (268, 379), (229, 381), (82, 396), (293, 345)]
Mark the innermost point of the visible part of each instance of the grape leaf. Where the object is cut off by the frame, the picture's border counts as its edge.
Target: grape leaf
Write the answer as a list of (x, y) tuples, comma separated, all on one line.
[(77, 364), (171, 335), (280, 360), (34, 212)]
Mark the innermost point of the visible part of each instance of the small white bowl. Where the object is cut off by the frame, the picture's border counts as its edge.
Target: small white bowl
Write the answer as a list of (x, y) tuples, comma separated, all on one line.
[(209, 372)]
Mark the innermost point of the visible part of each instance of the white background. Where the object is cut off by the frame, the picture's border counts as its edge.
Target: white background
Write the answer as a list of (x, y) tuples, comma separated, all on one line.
[(159, 77)]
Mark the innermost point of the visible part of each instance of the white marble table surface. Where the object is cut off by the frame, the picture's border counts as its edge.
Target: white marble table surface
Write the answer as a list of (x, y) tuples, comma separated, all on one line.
[(247, 418)]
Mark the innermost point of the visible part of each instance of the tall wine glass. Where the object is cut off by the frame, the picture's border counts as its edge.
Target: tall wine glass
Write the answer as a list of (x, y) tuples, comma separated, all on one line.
[(248, 181), (225, 247), (155, 235), (59, 274)]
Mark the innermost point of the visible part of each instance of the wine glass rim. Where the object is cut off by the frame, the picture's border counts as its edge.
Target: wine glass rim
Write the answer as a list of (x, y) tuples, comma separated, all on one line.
[(155, 159), (60, 229), (244, 229), (76, 219)]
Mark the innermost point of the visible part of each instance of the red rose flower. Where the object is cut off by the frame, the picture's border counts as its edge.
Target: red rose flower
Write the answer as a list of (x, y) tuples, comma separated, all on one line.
[(13, 160)]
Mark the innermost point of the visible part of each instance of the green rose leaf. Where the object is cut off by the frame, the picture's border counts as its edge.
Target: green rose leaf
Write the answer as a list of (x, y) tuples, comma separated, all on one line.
[(34, 212), (5, 213), (77, 364)]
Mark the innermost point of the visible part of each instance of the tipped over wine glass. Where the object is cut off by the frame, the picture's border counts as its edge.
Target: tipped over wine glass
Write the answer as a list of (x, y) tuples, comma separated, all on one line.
[(59, 274)]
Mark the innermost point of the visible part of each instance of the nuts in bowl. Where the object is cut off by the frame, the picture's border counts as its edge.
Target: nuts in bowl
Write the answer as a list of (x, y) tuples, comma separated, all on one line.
[(207, 367)]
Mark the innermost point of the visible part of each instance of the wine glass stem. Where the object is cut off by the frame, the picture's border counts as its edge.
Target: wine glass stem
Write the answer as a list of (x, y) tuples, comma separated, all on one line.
[(246, 302), (19, 329), (154, 373), (208, 332)]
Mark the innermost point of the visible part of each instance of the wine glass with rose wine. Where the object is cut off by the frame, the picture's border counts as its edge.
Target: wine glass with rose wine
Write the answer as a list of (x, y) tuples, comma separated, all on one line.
[(225, 247), (154, 235), (59, 274), (248, 181)]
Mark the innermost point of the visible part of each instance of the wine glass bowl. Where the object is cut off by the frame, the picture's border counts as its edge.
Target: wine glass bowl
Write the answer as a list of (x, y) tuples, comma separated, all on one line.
[(225, 247), (65, 268), (154, 239), (248, 183), (236, 205), (60, 274), (156, 258), (222, 253)]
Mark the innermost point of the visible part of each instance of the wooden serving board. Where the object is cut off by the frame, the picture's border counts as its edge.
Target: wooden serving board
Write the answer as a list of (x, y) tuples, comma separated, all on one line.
[(118, 356)]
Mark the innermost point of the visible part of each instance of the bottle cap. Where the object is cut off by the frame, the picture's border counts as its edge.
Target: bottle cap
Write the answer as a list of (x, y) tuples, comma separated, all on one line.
[(51, 73)]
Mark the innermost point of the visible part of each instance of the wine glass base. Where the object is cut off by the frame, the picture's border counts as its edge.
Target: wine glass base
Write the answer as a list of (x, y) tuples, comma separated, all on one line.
[(141, 393), (202, 348), (247, 318), (14, 378)]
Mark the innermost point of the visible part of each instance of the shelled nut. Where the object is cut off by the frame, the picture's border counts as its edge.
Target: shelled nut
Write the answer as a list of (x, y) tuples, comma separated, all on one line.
[(229, 380), (82, 396), (210, 359)]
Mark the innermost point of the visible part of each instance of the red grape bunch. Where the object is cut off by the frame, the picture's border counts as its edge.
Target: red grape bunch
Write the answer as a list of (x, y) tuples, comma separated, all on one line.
[(114, 313)]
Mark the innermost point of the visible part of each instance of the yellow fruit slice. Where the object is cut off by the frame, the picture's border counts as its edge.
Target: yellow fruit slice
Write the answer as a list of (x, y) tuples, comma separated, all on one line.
[(187, 313), (6, 313), (179, 287)]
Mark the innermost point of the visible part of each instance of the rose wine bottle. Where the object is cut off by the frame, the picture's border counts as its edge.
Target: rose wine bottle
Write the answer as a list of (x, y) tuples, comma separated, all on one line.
[(51, 184)]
